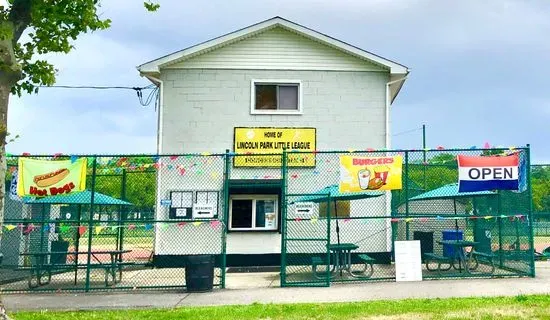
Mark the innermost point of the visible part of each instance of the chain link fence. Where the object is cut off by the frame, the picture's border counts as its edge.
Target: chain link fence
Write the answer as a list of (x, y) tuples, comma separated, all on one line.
[(132, 228), (142, 220), (351, 236)]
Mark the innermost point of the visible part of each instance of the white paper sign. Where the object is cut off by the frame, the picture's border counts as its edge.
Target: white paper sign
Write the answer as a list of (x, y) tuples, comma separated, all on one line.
[(304, 209), (408, 263), (203, 210)]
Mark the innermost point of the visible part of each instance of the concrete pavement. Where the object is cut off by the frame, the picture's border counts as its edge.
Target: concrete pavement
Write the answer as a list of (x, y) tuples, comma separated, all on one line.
[(247, 295)]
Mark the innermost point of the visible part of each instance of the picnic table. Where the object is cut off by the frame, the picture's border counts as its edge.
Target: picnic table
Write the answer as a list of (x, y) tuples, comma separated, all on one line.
[(341, 261), (462, 258), (42, 268)]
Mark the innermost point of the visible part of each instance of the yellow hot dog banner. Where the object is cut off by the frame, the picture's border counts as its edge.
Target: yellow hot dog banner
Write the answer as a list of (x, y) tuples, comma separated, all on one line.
[(359, 174), (42, 178)]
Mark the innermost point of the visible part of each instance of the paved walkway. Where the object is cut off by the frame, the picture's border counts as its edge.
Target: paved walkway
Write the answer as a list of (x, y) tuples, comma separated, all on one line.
[(335, 293)]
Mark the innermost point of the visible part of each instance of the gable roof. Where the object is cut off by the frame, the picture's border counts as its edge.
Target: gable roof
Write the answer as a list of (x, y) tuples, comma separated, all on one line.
[(154, 66)]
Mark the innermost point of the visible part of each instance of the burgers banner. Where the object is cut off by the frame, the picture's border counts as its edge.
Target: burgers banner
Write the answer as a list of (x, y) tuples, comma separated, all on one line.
[(359, 174), (42, 178)]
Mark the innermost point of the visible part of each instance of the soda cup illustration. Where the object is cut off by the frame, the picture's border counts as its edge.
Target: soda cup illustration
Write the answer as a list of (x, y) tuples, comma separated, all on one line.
[(364, 178)]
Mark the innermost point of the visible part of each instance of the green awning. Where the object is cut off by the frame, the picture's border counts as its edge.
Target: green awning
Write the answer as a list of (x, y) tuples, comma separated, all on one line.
[(84, 197), (450, 191), (333, 193)]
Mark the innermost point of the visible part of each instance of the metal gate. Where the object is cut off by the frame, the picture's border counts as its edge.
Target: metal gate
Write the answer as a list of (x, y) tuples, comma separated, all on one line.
[(305, 244)]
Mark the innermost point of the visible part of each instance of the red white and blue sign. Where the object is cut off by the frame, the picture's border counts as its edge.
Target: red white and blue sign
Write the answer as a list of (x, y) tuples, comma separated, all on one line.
[(477, 173)]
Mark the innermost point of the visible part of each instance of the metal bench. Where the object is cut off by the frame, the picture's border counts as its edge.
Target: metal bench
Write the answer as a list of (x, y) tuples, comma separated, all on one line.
[(368, 268), (315, 262), (435, 258), (485, 256)]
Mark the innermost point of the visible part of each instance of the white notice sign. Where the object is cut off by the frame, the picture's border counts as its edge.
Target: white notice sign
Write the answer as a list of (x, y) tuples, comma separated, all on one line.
[(304, 209), (408, 263)]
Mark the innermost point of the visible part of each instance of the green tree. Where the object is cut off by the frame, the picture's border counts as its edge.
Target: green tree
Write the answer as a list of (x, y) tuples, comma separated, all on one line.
[(540, 184), (28, 30)]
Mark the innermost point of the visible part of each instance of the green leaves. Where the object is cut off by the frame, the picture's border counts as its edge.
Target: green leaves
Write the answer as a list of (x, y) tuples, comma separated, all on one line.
[(150, 6)]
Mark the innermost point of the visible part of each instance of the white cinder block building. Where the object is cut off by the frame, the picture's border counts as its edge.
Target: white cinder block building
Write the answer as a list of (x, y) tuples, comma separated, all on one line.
[(232, 92)]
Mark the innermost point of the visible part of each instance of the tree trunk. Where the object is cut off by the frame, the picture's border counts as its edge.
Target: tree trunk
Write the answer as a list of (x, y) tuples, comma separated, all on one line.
[(4, 101), (10, 73)]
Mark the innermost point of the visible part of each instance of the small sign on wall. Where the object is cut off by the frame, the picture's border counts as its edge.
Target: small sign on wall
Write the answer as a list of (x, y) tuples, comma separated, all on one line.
[(203, 210), (408, 263), (304, 209)]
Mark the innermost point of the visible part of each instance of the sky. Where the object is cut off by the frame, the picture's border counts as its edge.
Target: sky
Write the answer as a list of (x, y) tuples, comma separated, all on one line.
[(478, 70)]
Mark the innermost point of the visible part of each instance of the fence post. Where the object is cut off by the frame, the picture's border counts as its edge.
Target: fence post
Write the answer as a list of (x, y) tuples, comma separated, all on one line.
[(499, 208), (225, 218), (123, 215), (407, 194), (90, 223), (283, 217), (530, 220)]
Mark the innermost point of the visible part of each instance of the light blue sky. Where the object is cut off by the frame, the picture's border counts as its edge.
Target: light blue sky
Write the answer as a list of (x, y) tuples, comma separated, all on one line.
[(479, 70)]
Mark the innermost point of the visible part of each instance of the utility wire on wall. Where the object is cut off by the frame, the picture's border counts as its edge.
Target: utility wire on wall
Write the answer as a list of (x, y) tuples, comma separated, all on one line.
[(153, 95)]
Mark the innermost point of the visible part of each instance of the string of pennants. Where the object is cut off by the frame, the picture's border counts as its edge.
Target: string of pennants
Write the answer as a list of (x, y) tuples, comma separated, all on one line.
[(518, 217), (214, 224), (118, 164)]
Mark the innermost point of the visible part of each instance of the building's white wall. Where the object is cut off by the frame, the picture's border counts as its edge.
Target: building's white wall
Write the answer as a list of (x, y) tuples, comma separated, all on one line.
[(278, 49), (201, 108)]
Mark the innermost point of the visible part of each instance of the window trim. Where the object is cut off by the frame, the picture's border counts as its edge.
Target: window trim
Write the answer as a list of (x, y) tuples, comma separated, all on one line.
[(254, 198), (275, 82)]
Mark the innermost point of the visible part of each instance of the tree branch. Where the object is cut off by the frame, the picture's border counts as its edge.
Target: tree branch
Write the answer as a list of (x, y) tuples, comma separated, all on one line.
[(20, 15)]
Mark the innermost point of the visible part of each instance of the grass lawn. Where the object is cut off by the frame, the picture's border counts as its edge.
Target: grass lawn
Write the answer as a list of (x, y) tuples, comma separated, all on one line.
[(521, 307)]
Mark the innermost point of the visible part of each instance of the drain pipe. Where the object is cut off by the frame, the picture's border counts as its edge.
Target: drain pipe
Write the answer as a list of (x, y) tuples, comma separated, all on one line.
[(159, 151), (387, 197)]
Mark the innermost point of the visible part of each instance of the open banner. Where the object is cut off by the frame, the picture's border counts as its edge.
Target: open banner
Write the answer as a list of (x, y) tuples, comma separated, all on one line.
[(480, 173), (359, 174), (42, 178)]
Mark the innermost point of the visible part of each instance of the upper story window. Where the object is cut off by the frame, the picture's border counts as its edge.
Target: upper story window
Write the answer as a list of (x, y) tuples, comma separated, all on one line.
[(276, 97)]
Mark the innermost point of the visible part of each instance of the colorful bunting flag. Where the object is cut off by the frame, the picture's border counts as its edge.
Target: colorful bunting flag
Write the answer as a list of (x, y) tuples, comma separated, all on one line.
[(215, 224), (131, 227), (173, 158), (148, 227), (64, 228), (98, 229), (82, 230), (314, 220), (10, 227), (197, 223), (181, 224)]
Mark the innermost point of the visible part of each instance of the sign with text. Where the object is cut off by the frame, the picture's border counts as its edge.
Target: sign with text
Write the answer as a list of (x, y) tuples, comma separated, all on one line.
[(478, 173), (408, 264), (359, 174), (250, 141), (42, 178)]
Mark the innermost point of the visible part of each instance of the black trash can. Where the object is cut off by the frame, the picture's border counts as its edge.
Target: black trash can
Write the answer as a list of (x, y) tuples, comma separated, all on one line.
[(199, 273)]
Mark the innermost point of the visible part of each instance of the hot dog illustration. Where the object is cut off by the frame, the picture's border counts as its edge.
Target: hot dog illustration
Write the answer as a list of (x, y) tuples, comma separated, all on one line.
[(49, 179)]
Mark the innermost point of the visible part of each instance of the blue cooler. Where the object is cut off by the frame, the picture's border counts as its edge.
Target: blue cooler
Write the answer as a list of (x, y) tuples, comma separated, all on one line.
[(448, 250)]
